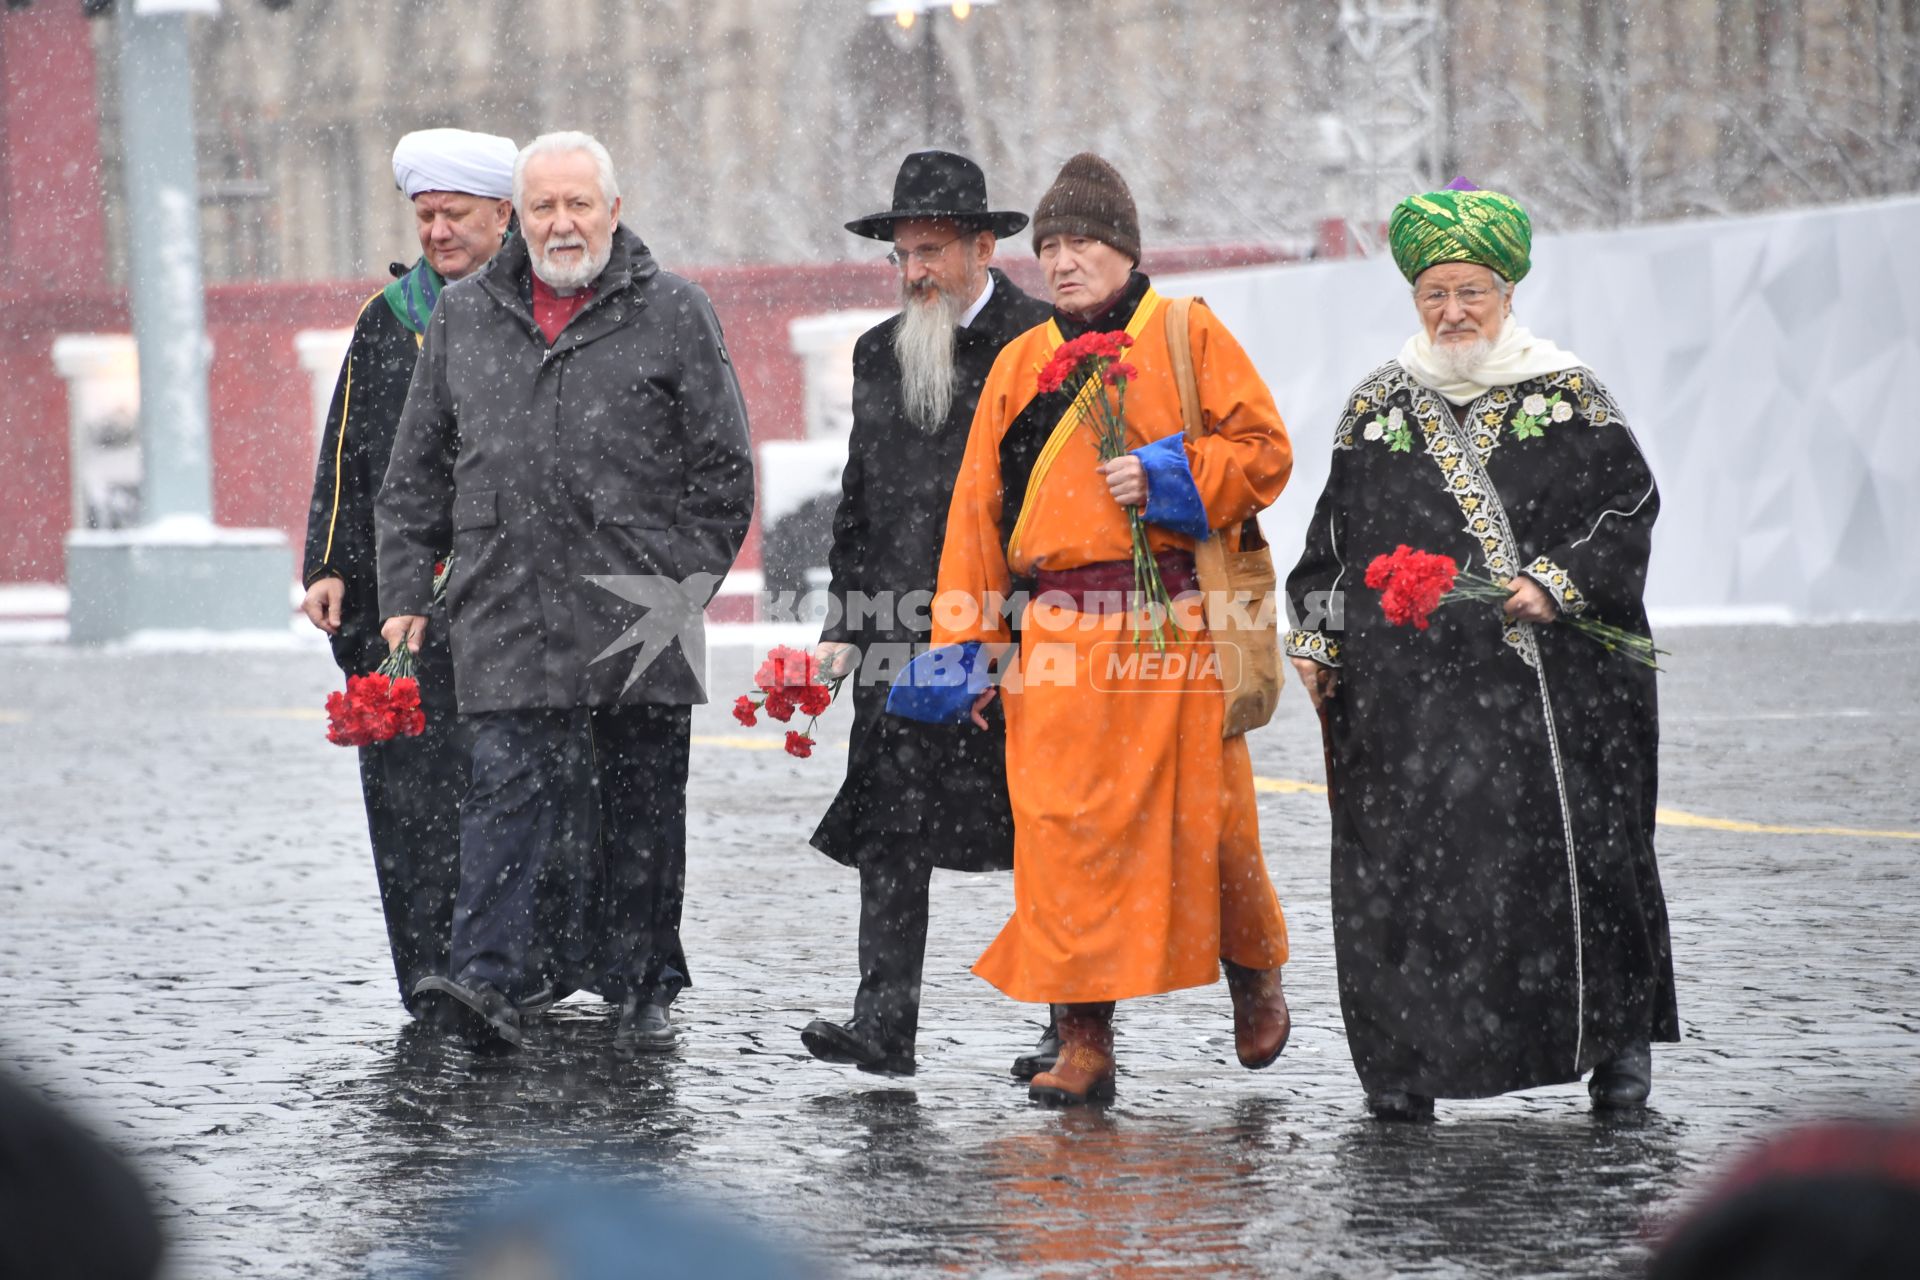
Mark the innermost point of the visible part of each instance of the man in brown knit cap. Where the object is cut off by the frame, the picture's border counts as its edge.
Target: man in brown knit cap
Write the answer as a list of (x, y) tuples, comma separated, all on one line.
[(1137, 862)]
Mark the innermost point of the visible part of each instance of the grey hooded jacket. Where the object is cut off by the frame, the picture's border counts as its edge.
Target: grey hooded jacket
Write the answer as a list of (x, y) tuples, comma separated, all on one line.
[(573, 484)]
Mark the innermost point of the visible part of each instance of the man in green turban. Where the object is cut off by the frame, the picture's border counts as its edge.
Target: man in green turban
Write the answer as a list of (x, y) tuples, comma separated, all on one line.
[(1498, 917)]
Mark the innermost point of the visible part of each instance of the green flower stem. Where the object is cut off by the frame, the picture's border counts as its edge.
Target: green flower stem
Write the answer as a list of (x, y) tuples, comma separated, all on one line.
[(1628, 644), (1109, 425), (399, 664)]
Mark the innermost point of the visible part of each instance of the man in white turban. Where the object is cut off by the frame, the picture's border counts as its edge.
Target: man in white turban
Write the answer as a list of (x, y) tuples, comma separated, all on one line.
[(460, 184)]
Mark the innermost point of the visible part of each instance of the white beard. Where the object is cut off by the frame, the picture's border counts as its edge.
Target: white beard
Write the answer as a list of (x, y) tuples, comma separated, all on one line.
[(575, 277), (1459, 361), (1463, 374), (923, 342)]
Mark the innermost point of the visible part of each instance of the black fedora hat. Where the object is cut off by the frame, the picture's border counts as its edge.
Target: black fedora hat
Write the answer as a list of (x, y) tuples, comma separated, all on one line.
[(939, 184)]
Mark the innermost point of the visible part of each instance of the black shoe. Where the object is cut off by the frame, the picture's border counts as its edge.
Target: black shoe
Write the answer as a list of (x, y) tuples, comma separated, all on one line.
[(1044, 1055), (480, 1014), (1622, 1082), (831, 1042), (645, 1026), (1398, 1104)]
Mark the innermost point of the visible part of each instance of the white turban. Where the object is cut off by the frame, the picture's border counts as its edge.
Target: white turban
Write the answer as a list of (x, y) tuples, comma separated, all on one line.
[(475, 164)]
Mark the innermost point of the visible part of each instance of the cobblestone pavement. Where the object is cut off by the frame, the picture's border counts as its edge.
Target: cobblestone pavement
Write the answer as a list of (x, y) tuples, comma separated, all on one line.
[(193, 961)]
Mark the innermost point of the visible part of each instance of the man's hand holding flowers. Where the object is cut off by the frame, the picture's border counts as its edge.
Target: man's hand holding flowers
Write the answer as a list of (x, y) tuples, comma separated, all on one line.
[(1126, 478)]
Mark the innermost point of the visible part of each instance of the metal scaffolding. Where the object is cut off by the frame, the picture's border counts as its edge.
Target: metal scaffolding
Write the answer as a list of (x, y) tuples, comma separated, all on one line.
[(1391, 129)]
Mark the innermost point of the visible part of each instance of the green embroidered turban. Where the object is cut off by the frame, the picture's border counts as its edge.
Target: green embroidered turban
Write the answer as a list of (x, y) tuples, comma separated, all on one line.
[(1461, 224)]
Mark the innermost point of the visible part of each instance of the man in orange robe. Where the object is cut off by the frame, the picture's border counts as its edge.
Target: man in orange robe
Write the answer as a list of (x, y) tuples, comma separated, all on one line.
[(1137, 862)]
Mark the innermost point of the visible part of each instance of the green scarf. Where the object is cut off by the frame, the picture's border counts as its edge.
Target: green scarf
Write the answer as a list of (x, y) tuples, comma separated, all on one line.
[(412, 296)]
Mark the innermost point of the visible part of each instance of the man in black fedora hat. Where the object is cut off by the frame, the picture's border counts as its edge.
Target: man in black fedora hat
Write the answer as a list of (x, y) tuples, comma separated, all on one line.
[(916, 796)]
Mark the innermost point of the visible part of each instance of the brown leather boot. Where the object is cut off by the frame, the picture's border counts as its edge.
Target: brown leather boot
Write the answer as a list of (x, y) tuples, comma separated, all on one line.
[(1260, 1017), (1084, 1072)]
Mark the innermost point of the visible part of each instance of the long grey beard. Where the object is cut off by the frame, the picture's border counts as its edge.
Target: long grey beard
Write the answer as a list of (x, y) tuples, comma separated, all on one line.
[(1458, 362), (924, 344)]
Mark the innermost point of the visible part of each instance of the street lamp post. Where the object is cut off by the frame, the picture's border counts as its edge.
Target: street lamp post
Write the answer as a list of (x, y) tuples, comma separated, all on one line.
[(177, 570), (907, 14)]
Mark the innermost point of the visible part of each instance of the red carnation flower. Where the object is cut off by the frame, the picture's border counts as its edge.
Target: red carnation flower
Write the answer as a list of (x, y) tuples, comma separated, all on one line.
[(403, 702), (815, 699), (743, 710), (1118, 372), (799, 744), (1055, 373), (779, 705), (338, 731), (785, 668), (1071, 358), (1411, 584), (377, 707)]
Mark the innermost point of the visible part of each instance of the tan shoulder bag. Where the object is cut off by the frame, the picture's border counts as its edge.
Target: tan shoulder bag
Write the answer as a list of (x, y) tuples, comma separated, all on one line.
[(1235, 568)]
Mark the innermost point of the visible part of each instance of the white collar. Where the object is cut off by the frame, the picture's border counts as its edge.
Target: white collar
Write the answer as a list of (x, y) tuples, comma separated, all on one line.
[(979, 303)]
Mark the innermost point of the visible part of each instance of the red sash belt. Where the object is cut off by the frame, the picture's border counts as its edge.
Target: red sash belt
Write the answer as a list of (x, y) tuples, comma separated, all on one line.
[(1103, 587)]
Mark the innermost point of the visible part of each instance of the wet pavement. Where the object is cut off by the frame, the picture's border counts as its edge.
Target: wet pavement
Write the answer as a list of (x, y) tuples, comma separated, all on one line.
[(194, 962)]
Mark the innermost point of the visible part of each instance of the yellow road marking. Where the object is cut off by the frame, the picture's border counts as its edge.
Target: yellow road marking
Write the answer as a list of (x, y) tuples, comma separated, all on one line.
[(13, 717), (739, 742), (1680, 818), (1665, 817), (1289, 787), (272, 713), (1271, 786)]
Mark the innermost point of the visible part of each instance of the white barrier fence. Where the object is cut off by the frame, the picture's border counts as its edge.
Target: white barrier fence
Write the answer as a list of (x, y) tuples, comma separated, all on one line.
[(1765, 363)]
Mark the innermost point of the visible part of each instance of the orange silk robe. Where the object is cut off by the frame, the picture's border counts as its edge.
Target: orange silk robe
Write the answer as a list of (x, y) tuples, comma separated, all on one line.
[(1137, 862)]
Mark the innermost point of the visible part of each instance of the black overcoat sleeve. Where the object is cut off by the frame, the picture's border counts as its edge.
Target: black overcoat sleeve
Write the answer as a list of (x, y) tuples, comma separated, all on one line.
[(1598, 565), (716, 504), (413, 519), (342, 491), (1315, 586), (847, 559)]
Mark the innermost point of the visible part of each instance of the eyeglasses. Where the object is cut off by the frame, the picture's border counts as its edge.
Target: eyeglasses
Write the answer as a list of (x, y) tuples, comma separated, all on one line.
[(926, 255), (1469, 297)]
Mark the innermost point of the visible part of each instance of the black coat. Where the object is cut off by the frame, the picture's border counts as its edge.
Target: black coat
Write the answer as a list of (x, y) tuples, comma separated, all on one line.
[(368, 397), (936, 791), (619, 452)]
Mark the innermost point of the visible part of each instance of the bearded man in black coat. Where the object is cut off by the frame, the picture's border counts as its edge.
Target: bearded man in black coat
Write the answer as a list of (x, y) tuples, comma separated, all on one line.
[(916, 796)]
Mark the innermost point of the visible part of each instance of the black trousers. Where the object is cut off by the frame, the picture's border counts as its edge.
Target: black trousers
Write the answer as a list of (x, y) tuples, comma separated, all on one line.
[(573, 852), (412, 788), (893, 946)]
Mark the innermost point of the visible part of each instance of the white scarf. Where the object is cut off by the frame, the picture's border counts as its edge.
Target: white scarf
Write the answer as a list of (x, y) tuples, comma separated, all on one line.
[(1516, 356)]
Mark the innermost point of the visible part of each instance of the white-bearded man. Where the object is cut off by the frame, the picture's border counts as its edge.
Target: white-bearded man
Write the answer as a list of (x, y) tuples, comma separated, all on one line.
[(1498, 917), (916, 796)]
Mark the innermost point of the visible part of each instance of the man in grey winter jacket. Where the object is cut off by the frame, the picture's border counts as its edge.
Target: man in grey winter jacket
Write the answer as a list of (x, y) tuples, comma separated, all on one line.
[(574, 436)]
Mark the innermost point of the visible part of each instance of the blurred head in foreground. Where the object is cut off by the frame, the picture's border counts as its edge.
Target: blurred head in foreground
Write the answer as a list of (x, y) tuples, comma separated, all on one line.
[(69, 1208), (581, 1231), (1837, 1201)]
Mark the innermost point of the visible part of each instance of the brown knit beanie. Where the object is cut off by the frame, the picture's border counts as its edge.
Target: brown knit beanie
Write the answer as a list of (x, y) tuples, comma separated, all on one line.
[(1089, 198)]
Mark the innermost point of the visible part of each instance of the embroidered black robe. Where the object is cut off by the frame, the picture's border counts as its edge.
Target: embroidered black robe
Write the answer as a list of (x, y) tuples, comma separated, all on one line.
[(411, 786), (1498, 916)]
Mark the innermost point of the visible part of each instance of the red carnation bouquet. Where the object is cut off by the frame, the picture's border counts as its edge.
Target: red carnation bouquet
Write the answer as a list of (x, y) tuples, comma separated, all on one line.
[(1412, 584), (377, 707), (789, 681), (1093, 363)]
